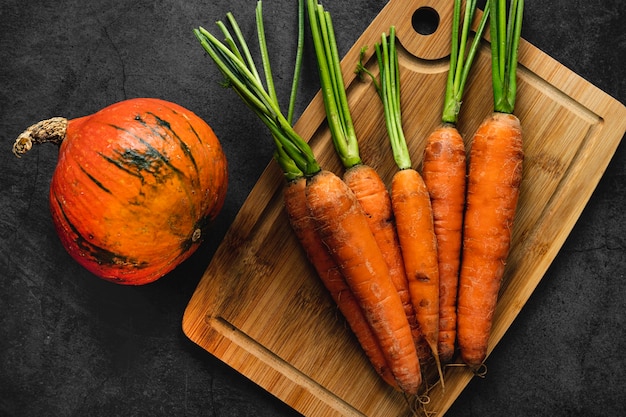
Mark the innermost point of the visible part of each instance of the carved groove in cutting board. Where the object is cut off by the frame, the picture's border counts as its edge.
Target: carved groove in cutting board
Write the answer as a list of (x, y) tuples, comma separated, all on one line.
[(266, 356), (556, 95)]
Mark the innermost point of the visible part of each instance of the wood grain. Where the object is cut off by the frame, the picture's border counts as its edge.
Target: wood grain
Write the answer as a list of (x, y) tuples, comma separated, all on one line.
[(260, 307)]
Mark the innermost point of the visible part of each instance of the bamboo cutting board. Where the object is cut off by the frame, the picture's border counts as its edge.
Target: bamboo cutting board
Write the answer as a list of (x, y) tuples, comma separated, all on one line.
[(260, 308)]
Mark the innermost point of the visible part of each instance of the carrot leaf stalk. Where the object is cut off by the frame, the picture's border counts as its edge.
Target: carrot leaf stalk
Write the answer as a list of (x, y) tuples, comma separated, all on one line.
[(389, 90), (505, 38), (234, 60), (331, 82), (298, 66), (460, 61)]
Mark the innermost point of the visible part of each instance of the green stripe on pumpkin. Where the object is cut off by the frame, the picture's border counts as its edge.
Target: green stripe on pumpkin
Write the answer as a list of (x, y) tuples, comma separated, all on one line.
[(97, 253), (95, 181)]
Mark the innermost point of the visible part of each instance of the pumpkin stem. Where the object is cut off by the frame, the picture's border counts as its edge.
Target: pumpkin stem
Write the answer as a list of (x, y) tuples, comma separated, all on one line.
[(49, 130)]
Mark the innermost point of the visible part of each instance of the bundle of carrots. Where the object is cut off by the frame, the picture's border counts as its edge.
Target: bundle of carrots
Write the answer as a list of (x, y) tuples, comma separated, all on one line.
[(388, 259), (368, 187), (328, 219), (458, 217)]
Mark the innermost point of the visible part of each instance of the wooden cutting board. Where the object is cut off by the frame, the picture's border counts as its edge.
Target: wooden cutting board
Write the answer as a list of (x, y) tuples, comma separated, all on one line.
[(260, 308)]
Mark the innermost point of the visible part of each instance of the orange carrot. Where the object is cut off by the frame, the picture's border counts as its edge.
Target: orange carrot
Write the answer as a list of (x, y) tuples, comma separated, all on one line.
[(331, 276), (495, 174), (410, 203), (342, 226), (372, 194), (414, 222), (444, 172), (363, 180), (493, 188)]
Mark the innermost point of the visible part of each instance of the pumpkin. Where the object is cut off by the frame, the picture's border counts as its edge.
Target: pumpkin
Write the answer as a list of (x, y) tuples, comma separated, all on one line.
[(135, 186)]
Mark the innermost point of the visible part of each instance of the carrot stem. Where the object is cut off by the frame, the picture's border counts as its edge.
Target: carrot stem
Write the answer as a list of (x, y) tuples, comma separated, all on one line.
[(267, 68), (505, 38), (298, 65), (332, 86), (287, 164), (235, 62), (460, 61), (389, 91)]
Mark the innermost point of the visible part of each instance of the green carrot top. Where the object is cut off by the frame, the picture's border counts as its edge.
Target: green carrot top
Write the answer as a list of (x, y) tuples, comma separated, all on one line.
[(332, 85), (460, 64), (234, 59), (389, 92), (505, 36), (389, 86)]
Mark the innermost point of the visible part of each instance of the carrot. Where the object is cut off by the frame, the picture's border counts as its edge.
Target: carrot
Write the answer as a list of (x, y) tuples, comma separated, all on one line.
[(495, 174), (375, 200), (414, 222), (330, 275), (363, 180), (444, 171), (365, 273), (410, 203), (343, 227)]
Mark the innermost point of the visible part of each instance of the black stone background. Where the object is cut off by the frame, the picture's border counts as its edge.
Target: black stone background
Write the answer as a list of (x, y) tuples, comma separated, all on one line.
[(73, 345)]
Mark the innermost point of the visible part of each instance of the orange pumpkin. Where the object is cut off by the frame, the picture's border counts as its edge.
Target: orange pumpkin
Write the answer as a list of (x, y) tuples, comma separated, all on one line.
[(135, 186)]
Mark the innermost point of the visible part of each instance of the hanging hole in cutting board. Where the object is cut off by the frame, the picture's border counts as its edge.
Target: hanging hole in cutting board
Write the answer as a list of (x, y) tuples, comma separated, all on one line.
[(425, 20), (423, 26)]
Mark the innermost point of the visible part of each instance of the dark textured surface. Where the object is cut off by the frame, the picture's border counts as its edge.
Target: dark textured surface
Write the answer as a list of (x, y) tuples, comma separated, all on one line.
[(73, 345)]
